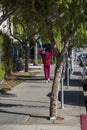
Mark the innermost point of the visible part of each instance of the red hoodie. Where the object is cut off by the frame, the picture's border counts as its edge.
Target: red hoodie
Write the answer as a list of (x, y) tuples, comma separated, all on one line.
[(46, 56)]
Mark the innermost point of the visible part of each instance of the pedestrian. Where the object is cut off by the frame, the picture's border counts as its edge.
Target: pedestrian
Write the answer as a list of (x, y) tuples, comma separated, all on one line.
[(46, 57)]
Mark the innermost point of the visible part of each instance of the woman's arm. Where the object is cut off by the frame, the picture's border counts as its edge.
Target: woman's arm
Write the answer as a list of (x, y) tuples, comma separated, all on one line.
[(42, 52), (53, 52)]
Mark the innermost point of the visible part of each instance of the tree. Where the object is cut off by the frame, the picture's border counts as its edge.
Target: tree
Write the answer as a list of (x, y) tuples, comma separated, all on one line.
[(62, 18), (24, 32), (66, 17), (80, 37)]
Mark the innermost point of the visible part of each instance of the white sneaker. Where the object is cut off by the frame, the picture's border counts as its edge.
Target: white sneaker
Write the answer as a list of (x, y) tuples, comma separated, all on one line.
[(48, 80)]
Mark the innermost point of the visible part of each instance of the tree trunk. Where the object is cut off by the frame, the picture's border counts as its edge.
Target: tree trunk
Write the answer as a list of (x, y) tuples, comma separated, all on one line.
[(36, 54), (55, 87), (60, 61), (26, 60)]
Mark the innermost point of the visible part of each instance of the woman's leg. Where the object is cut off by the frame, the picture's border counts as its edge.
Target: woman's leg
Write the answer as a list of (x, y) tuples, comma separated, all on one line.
[(46, 72)]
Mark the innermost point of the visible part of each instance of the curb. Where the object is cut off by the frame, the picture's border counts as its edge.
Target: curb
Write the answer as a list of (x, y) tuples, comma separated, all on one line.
[(84, 121)]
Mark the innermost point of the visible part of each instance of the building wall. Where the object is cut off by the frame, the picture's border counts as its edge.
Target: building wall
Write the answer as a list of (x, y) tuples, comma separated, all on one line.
[(5, 25)]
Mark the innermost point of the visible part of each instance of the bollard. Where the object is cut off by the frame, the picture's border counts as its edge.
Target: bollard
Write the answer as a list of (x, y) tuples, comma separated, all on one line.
[(62, 94), (68, 77)]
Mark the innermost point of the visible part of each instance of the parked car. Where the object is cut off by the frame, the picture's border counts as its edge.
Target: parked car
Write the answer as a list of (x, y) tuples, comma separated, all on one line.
[(83, 59), (19, 65)]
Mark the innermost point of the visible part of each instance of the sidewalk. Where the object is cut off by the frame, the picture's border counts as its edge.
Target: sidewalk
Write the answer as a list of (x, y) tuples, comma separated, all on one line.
[(26, 107)]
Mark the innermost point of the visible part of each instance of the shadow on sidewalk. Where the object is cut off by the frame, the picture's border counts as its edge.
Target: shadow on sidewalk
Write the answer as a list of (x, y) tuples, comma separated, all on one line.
[(40, 104), (77, 73), (26, 114), (71, 97), (73, 82), (30, 78)]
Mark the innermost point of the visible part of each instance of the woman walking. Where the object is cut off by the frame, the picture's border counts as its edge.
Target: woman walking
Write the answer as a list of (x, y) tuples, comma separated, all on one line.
[(46, 57)]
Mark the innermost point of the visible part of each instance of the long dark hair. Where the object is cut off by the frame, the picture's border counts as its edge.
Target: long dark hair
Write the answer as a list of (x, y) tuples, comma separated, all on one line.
[(48, 49)]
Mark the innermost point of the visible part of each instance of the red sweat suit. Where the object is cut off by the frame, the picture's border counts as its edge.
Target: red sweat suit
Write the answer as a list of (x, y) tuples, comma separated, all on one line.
[(46, 56)]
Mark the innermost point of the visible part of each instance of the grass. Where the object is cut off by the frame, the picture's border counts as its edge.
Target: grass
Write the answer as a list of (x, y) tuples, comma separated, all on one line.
[(1, 72), (14, 80)]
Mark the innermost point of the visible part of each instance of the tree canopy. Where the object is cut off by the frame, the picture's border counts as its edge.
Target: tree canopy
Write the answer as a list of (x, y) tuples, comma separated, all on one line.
[(58, 21)]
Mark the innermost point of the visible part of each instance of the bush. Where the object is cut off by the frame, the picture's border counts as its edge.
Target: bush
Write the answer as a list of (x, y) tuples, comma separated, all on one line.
[(2, 72)]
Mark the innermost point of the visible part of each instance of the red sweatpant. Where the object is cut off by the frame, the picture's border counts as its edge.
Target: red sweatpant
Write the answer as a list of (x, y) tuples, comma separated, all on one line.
[(47, 71)]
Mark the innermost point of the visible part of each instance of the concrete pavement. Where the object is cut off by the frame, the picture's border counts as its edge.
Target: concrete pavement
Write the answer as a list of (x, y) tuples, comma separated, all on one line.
[(26, 107)]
